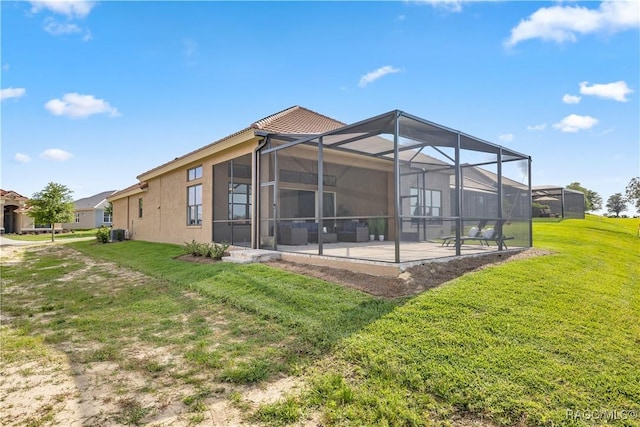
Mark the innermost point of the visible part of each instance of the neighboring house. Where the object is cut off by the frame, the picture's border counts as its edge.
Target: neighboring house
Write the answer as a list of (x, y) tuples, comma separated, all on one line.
[(90, 212), (278, 182), (14, 213), (557, 202)]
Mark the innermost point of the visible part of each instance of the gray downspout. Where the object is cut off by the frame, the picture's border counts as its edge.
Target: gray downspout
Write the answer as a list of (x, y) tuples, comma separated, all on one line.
[(255, 197)]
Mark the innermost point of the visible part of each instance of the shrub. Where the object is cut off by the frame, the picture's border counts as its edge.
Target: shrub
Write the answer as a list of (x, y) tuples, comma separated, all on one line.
[(218, 250), (102, 235), (215, 250)]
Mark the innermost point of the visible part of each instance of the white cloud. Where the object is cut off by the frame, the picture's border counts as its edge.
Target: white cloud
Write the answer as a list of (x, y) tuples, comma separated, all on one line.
[(79, 106), (5, 67), (401, 18), (375, 75), (571, 99), (69, 8), (190, 47), (56, 28), (617, 91), (562, 23), (535, 128), (448, 5), (21, 158), (575, 123), (508, 137), (12, 92), (56, 155)]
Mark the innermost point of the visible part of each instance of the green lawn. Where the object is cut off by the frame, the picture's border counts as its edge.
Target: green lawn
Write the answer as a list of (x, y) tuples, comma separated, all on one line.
[(528, 342), (540, 341)]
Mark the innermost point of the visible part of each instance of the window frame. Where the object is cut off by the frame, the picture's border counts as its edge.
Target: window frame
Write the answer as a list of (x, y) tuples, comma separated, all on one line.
[(418, 202), (194, 209), (104, 215), (232, 203), (197, 173), (140, 207), (77, 218)]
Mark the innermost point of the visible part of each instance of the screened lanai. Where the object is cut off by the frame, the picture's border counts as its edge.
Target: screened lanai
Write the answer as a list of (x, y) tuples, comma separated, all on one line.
[(393, 188)]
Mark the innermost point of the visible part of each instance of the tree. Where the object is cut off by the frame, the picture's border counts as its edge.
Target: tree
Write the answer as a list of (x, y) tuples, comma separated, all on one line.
[(592, 200), (51, 206), (633, 192), (616, 204)]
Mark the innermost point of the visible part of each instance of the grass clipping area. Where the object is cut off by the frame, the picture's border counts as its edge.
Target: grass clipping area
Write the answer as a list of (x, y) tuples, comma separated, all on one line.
[(126, 334)]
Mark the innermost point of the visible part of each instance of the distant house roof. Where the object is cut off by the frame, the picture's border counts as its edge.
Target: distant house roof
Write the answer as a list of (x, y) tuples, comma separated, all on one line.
[(92, 202), (12, 194)]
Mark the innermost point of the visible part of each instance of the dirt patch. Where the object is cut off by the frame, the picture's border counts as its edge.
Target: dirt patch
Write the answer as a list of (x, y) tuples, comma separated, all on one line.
[(411, 282)]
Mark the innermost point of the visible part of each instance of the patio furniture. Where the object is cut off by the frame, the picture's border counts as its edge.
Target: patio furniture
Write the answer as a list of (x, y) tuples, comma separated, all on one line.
[(473, 233), (353, 232), (326, 236), (484, 236), (292, 234)]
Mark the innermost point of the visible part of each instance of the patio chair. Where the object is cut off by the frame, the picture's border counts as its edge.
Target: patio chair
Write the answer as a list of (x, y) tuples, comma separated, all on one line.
[(291, 234), (490, 235), (473, 233)]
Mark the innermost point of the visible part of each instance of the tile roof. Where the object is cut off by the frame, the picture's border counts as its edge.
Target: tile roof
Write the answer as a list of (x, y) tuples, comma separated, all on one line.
[(293, 120), (297, 120), (136, 186), (93, 201), (4, 193)]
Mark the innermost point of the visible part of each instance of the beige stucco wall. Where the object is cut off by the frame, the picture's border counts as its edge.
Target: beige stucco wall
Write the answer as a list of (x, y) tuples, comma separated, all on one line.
[(164, 216), (21, 221)]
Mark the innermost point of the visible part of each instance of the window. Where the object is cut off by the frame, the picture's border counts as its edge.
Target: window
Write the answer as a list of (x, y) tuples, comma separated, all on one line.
[(194, 173), (425, 203), (194, 205), (140, 207), (239, 201), (77, 217), (106, 217)]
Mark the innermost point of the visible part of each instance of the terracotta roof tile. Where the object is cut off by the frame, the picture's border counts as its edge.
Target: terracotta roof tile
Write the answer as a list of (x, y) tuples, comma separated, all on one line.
[(297, 120), (293, 120), (7, 192), (139, 185)]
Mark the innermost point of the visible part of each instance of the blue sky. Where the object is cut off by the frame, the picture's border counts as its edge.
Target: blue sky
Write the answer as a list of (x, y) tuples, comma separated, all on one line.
[(95, 93)]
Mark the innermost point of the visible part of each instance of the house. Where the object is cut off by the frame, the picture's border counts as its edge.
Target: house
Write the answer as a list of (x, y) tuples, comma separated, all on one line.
[(557, 202), (90, 212), (303, 183), (14, 216)]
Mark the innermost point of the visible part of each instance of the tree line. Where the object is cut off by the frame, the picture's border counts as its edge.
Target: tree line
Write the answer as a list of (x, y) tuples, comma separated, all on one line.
[(616, 203)]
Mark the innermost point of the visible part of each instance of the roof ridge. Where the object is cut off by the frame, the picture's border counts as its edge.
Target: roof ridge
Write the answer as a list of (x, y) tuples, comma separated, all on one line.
[(260, 124)]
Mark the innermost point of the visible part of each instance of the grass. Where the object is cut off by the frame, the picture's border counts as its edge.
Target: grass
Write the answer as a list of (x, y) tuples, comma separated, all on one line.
[(245, 324), (521, 343), (44, 237)]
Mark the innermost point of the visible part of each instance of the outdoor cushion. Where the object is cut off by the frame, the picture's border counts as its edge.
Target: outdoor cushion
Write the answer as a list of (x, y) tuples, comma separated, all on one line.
[(488, 233), (473, 232), (349, 226)]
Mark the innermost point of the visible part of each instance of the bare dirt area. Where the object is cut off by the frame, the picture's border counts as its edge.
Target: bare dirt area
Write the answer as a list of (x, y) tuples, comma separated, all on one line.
[(414, 280), (45, 382)]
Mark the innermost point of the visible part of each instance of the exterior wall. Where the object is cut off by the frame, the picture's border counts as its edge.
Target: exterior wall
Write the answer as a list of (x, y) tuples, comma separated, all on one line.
[(89, 218), (164, 217), (14, 222)]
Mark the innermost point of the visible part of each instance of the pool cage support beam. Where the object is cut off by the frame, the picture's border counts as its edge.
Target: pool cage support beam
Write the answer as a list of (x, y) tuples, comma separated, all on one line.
[(320, 196), (396, 181), (458, 201), (500, 202), (530, 202)]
